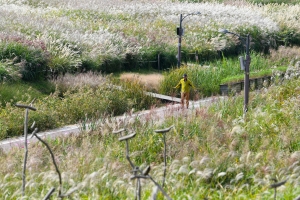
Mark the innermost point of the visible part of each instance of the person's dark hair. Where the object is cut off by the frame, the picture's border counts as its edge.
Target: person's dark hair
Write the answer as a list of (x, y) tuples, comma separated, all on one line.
[(184, 75)]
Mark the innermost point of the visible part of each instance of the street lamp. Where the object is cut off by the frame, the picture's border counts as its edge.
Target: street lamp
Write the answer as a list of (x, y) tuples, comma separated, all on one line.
[(180, 33), (245, 65)]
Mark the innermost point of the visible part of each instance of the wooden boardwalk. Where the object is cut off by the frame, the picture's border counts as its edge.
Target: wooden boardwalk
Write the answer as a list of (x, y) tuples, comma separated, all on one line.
[(155, 95), (164, 97)]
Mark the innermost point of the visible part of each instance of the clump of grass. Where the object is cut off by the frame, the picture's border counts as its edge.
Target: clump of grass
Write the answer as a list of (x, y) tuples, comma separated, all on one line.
[(64, 56), (150, 82), (284, 55), (11, 92), (256, 74), (75, 81), (26, 59)]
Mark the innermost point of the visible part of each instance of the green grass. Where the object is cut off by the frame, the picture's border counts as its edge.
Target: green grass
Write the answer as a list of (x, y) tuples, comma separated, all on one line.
[(144, 71), (255, 74), (24, 91), (209, 76), (24, 57)]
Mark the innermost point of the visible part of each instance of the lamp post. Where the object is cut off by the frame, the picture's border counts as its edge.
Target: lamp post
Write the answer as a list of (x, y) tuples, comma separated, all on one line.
[(180, 33), (245, 65)]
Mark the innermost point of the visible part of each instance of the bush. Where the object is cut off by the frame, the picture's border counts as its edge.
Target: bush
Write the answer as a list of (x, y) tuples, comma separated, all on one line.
[(167, 57), (63, 57), (29, 60), (4, 75), (110, 64)]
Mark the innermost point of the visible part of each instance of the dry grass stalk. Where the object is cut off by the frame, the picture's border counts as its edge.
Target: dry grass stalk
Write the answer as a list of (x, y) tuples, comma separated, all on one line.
[(78, 80), (27, 108), (288, 53), (151, 82)]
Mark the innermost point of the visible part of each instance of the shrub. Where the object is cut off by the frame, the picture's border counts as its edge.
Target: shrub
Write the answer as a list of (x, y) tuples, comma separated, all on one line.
[(29, 61), (63, 57), (110, 64), (4, 75)]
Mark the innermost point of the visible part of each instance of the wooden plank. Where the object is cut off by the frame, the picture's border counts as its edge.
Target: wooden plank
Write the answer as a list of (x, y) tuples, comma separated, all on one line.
[(164, 97), (155, 95)]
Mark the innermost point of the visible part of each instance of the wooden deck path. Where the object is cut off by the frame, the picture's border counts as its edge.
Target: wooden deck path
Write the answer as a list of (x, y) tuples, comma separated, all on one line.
[(155, 95), (164, 97)]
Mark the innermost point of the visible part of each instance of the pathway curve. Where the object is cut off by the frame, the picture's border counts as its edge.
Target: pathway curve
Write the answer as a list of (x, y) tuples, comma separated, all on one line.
[(156, 114)]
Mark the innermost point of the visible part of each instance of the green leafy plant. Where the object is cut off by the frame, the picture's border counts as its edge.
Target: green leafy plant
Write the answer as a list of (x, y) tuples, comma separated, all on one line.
[(27, 60)]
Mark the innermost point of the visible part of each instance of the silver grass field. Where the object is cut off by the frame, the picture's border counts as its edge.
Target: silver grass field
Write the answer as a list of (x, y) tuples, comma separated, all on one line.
[(212, 152)]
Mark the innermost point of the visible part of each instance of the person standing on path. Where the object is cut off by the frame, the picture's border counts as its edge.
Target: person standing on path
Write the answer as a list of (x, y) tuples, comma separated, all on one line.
[(185, 85)]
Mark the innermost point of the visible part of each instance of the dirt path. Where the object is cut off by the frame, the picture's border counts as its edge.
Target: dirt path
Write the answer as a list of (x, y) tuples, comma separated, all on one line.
[(156, 114)]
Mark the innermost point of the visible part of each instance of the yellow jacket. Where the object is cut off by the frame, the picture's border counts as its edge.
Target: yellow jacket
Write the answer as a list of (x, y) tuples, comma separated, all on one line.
[(185, 85)]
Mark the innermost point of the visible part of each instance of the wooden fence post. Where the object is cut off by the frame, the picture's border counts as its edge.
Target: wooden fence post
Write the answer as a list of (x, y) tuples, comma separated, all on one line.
[(158, 61)]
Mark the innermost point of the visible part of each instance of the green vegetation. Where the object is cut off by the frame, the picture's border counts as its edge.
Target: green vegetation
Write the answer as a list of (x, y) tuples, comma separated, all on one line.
[(71, 100), (12, 92), (213, 152), (109, 42), (22, 60), (207, 78), (255, 74), (70, 104), (210, 149)]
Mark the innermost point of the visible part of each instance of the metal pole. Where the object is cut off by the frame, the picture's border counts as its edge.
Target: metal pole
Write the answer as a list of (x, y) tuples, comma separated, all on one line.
[(26, 151), (246, 66), (247, 71), (179, 42)]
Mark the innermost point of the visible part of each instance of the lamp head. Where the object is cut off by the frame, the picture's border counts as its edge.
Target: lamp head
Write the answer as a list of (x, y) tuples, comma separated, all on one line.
[(224, 31)]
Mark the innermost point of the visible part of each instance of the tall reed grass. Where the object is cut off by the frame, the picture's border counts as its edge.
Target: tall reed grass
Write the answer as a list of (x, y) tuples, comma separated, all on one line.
[(110, 33), (213, 152)]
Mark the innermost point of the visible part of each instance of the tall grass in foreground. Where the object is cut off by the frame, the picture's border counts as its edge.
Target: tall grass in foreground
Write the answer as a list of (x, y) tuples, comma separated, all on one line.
[(212, 153)]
